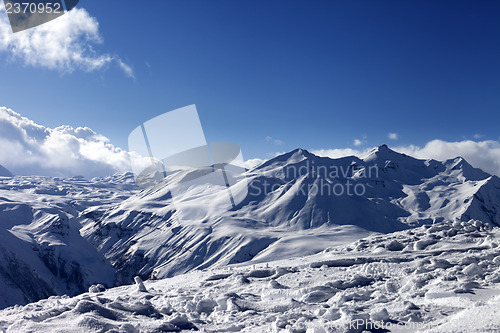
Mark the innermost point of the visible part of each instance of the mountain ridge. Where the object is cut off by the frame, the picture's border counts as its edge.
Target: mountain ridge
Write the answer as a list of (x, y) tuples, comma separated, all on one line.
[(404, 192), (131, 231)]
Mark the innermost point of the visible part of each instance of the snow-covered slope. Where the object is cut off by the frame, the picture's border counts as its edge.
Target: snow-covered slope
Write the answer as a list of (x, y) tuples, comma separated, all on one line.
[(58, 236), (41, 250), (441, 278), (285, 215)]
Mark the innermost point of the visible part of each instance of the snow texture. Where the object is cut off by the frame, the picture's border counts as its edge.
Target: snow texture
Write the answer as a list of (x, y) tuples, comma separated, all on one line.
[(451, 286), (418, 247)]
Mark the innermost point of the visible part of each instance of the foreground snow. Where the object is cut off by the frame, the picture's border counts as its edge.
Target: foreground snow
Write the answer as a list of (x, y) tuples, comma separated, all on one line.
[(440, 278)]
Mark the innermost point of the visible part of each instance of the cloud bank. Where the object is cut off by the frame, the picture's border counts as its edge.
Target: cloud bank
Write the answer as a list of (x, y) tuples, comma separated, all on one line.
[(338, 153), (65, 44), (32, 149), (480, 154), (28, 148)]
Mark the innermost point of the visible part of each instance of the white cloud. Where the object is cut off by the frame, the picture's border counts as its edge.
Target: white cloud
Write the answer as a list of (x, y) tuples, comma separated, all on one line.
[(29, 148), (338, 153), (276, 142), (480, 154), (252, 163), (64, 44), (393, 136), (126, 69), (360, 141)]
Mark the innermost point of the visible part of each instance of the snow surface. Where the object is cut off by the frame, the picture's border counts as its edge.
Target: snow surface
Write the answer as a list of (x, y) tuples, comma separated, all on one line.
[(423, 231), (282, 216), (41, 250), (365, 285)]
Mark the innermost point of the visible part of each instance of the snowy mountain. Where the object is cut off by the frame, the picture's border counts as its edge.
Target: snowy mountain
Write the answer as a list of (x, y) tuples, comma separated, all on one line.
[(284, 214), (41, 250), (59, 236)]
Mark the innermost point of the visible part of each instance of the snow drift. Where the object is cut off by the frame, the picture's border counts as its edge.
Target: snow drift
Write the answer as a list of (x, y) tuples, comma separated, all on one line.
[(441, 278)]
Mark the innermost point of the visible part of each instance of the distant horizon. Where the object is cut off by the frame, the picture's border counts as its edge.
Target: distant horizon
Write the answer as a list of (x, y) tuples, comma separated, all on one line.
[(67, 152)]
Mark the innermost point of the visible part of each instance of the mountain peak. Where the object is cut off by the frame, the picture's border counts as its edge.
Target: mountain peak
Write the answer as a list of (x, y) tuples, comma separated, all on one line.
[(380, 152), (299, 152), (294, 156), (468, 171)]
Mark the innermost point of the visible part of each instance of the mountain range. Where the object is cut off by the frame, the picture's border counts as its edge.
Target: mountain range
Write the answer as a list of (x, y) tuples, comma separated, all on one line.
[(60, 236)]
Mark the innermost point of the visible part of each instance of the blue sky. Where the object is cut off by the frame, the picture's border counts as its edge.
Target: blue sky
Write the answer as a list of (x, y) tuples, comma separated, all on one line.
[(311, 74)]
